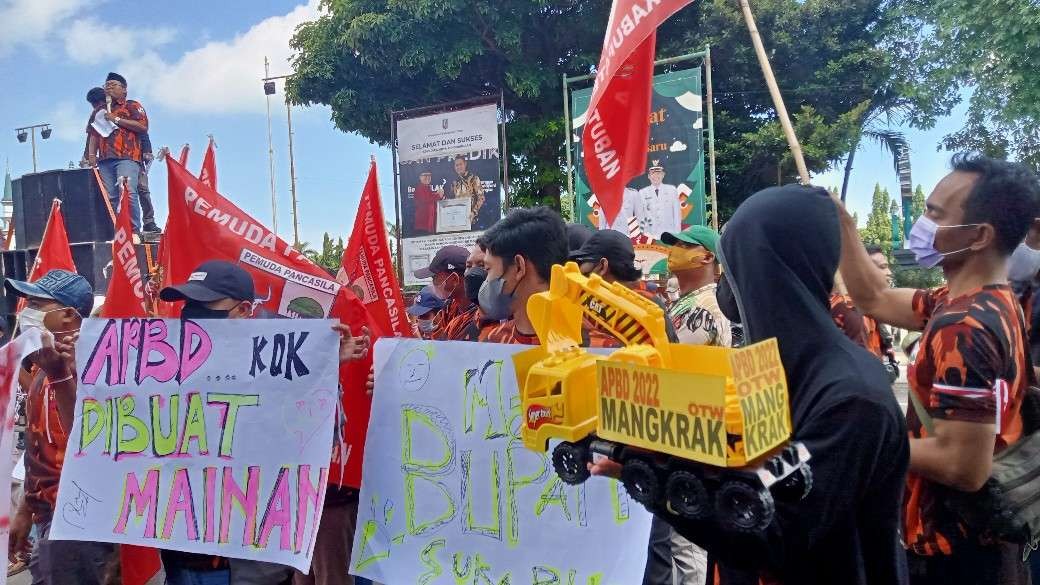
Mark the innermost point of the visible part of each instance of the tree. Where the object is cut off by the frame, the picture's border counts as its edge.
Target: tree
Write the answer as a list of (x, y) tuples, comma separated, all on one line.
[(330, 257), (879, 223), (365, 58), (917, 203), (990, 47)]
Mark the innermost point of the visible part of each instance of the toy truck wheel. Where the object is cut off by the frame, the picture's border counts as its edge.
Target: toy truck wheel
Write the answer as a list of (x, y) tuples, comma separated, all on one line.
[(743, 508), (687, 496), (641, 481), (797, 485), (569, 461)]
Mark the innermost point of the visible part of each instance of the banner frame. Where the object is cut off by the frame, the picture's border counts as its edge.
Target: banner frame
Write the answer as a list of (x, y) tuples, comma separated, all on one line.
[(568, 82), (397, 115)]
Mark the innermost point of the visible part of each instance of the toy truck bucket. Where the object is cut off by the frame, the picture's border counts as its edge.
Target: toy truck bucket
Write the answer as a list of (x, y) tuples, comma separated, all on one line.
[(718, 406)]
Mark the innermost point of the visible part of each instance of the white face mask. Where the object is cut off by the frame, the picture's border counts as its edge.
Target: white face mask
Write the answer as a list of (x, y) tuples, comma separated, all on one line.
[(673, 295), (30, 318)]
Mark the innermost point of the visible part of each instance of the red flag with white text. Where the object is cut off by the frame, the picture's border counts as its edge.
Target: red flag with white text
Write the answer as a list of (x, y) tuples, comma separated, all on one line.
[(208, 173), (125, 296), (368, 271), (367, 267), (614, 140)]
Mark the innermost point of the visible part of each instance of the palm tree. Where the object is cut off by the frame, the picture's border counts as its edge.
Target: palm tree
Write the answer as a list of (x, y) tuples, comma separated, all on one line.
[(877, 119)]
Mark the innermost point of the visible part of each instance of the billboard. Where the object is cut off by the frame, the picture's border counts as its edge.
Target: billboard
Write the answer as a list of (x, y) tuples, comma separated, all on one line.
[(670, 195), (449, 181)]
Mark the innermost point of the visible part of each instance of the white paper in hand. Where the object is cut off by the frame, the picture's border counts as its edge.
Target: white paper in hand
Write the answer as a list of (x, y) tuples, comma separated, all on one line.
[(104, 127)]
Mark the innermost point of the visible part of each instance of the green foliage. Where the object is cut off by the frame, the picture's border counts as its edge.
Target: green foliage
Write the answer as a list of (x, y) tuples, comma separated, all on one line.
[(330, 257), (918, 277), (365, 58), (991, 48), (879, 223), (917, 203)]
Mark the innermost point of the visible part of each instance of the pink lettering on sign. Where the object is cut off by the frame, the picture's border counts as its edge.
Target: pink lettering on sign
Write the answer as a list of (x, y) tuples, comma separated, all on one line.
[(180, 502), (165, 369), (278, 513), (196, 347), (154, 356)]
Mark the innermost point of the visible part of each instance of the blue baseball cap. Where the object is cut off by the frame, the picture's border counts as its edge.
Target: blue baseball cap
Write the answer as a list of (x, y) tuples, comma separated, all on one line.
[(425, 302), (67, 288)]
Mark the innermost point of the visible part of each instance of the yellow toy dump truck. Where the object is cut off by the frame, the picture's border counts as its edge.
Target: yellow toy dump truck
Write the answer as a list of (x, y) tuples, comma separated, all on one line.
[(700, 430)]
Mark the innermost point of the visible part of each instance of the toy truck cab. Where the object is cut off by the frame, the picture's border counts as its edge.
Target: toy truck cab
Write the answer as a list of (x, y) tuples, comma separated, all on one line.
[(701, 430)]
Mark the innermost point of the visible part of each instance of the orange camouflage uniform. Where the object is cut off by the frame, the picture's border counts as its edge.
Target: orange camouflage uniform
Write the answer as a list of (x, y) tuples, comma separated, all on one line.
[(970, 366), (122, 143), (45, 448)]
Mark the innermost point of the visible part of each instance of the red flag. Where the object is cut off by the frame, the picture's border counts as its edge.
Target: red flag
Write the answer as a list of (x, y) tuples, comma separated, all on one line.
[(54, 252), (184, 154), (614, 140), (367, 267), (139, 564), (125, 297), (368, 271), (202, 225), (208, 174)]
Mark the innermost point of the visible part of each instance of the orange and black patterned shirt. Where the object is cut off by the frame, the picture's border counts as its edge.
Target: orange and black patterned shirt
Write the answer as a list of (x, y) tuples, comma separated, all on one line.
[(122, 143), (461, 326), (45, 448), (506, 332), (848, 318), (970, 366)]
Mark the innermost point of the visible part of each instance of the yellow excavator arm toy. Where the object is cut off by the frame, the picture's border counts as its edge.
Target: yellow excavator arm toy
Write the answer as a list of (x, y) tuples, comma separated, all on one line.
[(699, 430)]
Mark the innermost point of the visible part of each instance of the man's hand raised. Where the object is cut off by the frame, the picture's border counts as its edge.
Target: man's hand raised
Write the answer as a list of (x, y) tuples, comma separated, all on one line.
[(352, 347)]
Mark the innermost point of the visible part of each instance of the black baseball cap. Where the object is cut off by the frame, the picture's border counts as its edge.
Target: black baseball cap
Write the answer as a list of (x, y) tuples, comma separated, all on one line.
[(211, 281), (577, 235), (68, 288), (613, 245), (447, 259)]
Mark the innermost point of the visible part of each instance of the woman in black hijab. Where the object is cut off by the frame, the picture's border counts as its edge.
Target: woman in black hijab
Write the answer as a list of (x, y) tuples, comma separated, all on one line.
[(780, 253)]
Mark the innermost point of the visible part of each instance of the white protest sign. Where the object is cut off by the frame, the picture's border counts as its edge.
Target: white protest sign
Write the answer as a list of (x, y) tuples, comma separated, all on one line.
[(11, 356), (450, 495), (209, 436)]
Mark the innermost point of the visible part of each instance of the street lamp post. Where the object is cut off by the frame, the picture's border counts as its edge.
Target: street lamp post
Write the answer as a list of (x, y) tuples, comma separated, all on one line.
[(269, 90), (30, 132)]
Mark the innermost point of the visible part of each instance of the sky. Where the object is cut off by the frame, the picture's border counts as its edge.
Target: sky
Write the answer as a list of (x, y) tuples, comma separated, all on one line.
[(196, 67)]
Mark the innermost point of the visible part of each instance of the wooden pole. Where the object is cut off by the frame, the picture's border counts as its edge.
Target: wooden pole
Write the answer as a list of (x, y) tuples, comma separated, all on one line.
[(711, 141), (774, 91)]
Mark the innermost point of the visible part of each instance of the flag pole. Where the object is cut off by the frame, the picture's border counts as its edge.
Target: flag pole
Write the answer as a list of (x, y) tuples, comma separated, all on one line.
[(711, 140), (774, 91)]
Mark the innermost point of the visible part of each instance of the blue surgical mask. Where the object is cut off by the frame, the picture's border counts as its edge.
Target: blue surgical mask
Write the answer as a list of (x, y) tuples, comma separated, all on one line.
[(496, 304), (426, 326), (922, 242)]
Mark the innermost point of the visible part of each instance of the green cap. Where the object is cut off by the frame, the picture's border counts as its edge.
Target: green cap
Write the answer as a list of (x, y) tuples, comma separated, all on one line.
[(695, 234)]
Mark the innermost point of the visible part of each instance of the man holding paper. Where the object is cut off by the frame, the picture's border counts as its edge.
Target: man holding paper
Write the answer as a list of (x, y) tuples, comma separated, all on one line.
[(56, 303), (221, 290), (118, 134)]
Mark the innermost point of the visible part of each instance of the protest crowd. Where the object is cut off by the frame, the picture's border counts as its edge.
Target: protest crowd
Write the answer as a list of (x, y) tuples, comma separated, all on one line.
[(895, 496)]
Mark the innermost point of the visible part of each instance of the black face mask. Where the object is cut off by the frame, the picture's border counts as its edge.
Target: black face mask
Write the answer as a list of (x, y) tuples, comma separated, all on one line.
[(194, 311), (475, 277)]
